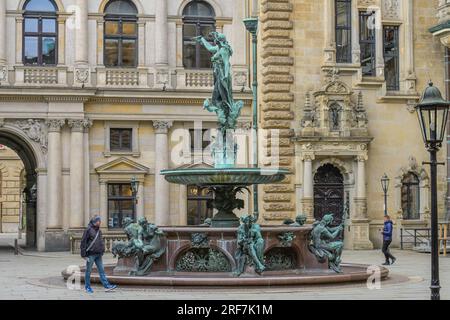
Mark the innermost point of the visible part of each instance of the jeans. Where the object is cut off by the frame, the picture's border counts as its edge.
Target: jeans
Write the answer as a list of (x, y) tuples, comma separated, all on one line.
[(97, 259), (386, 251)]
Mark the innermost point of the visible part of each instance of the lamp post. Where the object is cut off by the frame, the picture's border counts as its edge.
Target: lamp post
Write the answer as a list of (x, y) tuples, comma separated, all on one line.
[(432, 112), (385, 186), (251, 24)]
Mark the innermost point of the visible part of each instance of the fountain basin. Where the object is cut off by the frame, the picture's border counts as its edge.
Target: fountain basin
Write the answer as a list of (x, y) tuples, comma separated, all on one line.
[(227, 176), (193, 260)]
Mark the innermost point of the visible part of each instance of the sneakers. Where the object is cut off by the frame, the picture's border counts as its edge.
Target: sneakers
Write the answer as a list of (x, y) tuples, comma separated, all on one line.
[(393, 260), (110, 287), (89, 290)]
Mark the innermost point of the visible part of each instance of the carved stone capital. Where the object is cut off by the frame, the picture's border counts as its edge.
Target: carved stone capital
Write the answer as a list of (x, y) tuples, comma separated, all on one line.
[(76, 125), (162, 127), (55, 125)]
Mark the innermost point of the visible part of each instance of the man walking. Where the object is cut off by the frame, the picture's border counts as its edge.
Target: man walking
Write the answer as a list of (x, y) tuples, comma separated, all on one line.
[(387, 239), (92, 250)]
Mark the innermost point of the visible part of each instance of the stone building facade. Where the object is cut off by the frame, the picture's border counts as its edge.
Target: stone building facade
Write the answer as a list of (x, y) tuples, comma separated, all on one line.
[(96, 94), (340, 79), (11, 187)]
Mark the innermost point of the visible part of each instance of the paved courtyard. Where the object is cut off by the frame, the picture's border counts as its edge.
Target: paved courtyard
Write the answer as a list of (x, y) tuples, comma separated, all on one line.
[(37, 276)]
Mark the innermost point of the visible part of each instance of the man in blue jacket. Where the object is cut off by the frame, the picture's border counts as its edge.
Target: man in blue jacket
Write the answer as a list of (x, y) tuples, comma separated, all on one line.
[(387, 239), (92, 249)]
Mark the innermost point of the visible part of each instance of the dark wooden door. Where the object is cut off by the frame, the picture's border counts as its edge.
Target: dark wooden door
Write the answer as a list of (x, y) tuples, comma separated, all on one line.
[(329, 193)]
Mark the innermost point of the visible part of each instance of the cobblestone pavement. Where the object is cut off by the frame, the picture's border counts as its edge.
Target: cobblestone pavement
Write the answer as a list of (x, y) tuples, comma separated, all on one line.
[(37, 276)]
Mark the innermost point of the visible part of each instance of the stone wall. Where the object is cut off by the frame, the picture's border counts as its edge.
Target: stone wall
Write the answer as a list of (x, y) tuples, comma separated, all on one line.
[(11, 169), (277, 102)]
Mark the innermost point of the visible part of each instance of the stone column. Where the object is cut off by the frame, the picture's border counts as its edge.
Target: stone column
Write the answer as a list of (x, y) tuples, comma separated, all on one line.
[(360, 199), (330, 42), (54, 217), (81, 72), (379, 45), (161, 45), (162, 192), (2, 36), (409, 47), (161, 34), (183, 205), (41, 207), (140, 212), (308, 187), (87, 174), (77, 174), (104, 203), (356, 48)]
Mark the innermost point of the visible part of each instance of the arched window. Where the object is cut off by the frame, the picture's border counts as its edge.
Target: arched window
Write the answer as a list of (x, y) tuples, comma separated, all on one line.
[(410, 197), (198, 20), (120, 34), (40, 36), (343, 31)]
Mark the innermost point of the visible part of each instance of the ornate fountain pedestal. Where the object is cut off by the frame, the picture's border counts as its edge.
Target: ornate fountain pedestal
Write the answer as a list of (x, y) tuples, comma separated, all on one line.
[(226, 183), (202, 251)]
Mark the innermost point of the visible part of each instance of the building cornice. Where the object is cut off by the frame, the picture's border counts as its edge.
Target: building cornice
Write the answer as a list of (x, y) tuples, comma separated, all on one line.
[(116, 96)]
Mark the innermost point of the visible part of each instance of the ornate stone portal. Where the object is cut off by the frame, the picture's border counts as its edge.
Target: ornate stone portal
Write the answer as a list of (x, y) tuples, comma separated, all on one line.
[(334, 131)]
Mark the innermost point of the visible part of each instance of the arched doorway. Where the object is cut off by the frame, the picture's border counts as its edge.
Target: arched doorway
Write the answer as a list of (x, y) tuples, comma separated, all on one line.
[(29, 190), (329, 193)]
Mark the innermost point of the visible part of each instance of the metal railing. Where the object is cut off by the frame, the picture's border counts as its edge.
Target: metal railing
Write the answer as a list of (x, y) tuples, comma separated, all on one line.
[(410, 238)]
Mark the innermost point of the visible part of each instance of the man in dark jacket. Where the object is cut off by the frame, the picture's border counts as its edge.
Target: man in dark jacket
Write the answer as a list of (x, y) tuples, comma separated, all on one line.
[(92, 249), (387, 239)]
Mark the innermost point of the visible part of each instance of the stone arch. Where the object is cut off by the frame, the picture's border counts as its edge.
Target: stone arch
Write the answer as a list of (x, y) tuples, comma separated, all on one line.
[(424, 185), (58, 4), (32, 159), (343, 166), (217, 8), (137, 3)]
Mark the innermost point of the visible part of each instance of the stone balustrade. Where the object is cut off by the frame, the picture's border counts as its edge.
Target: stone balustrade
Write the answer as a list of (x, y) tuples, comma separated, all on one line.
[(31, 76)]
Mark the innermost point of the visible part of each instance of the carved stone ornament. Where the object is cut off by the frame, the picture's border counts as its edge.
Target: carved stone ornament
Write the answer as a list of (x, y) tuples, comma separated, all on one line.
[(55, 125), (3, 73), (36, 130), (240, 78), (391, 9), (82, 75), (79, 125), (162, 126)]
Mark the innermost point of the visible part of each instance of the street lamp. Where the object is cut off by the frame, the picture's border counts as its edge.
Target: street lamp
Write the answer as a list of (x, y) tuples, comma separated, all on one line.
[(432, 112), (251, 24), (385, 186), (134, 188)]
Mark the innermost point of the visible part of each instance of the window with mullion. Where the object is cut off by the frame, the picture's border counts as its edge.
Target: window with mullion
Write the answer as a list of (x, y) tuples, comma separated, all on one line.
[(367, 43), (120, 42), (40, 39), (121, 204), (195, 56), (343, 31), (391, 57)]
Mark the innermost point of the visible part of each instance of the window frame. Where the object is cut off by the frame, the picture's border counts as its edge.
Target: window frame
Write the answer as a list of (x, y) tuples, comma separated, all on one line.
[(121, 19), (409, 215), (199, 22), (395, 56), (40, 15), (199, 200), (363, 16), (119, 199), (347, 27), (121, 148)]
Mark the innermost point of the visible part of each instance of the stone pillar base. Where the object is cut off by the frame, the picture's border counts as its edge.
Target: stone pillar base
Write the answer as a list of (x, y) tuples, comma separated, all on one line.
[(308, 209), (356, 235), (56, 240)]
